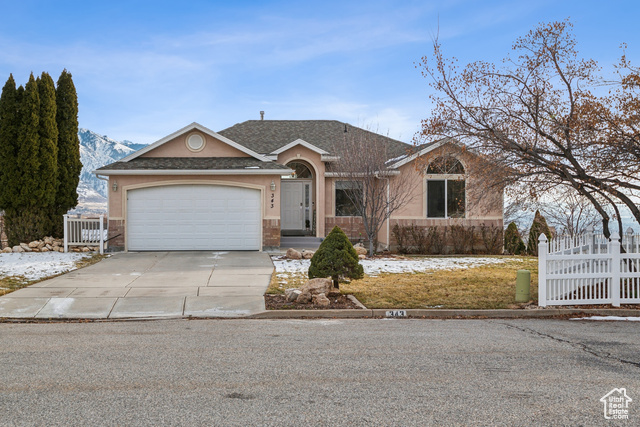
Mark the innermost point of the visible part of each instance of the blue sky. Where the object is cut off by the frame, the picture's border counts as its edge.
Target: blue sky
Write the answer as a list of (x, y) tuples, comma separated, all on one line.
[(144, 69)]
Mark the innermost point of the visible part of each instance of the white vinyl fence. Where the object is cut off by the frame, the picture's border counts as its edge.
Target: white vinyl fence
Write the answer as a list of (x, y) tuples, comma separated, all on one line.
[(84, 232), (589, 269)]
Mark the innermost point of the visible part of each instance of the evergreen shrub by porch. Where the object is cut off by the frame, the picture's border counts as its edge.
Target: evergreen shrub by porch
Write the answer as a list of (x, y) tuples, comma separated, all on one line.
[(336, 258)]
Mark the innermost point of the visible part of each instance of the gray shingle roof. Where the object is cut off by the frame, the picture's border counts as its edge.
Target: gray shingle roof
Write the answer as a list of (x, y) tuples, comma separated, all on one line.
[(192, 163), (266, 136)]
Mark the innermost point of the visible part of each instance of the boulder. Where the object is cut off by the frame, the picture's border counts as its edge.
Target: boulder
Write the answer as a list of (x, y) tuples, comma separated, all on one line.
[(317, 286), (292, 294), (18, 249), (307, 254), (321, 300), (304, 298), (44, 250), (293, 254), (360, 250), (33, 244), (25, 247), (7, 250), (334, 293), (362, 257)]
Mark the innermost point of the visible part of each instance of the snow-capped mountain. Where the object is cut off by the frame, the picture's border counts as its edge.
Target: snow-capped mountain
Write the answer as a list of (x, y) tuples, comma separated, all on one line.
[(95, 152)]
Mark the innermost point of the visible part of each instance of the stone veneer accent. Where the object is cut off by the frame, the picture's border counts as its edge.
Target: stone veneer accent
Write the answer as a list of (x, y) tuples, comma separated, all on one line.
[(116, 228), (270, 232), (352, 227)]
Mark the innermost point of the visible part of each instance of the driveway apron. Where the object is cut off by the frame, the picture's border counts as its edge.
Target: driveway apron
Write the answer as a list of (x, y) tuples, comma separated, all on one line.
[(150, 284)]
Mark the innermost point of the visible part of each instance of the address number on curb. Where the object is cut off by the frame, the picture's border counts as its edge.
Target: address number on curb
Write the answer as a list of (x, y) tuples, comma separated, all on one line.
[(396, 313)]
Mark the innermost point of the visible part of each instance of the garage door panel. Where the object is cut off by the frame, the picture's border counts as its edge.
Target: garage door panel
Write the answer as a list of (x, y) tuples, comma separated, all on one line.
[(194, 217)]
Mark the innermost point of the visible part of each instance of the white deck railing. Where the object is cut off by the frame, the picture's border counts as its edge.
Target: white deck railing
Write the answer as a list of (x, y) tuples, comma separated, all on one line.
[(589, 269), (84, 232)]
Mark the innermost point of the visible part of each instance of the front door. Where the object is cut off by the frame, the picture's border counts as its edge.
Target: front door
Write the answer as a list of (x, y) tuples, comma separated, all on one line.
[(296, 204)]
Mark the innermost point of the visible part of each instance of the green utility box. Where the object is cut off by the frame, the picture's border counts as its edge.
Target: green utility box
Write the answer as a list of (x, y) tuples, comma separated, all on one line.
[(523, 286)]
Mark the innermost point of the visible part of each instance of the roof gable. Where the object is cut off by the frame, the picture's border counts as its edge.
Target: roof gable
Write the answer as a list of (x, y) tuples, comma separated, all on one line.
[(187, 129), (299, 142)]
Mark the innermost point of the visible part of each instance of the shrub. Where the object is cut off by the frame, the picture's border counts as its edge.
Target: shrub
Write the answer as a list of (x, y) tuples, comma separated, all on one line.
[(538, 227), (336, 258), (401, 235), (492, 239), (420, 238), (513, 243)]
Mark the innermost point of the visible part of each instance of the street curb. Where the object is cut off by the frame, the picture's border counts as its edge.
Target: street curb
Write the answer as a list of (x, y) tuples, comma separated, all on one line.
[(441, 314)]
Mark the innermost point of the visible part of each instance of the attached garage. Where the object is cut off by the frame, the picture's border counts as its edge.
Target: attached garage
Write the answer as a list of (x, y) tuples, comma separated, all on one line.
[(193, 217)]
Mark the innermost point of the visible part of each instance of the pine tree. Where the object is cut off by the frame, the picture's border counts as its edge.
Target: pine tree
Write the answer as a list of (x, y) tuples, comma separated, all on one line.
[(538, 227), (336, 258), (69, 165), (8, 143), (513, 243)]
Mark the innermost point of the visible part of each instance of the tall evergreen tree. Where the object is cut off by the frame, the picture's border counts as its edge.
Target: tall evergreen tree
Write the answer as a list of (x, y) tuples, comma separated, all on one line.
[(26, 219), (8, 143), (48, 133), (69, 165)]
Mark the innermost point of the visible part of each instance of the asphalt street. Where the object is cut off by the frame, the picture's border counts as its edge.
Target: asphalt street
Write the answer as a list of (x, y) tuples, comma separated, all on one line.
[(317, 372)]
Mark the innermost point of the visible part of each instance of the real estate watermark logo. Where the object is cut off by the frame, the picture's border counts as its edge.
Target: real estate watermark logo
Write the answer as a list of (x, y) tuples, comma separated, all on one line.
[(616, 404)]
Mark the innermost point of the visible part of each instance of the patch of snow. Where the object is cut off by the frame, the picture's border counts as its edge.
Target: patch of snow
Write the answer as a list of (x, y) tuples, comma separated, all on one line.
[(628, 319), (377, 266), (34, 266)]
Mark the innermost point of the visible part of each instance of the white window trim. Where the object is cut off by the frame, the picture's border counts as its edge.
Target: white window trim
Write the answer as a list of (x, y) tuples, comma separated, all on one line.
[(446, 178)]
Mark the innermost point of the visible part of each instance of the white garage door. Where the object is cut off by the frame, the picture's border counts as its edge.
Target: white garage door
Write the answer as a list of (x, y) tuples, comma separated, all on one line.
[(193, 217)]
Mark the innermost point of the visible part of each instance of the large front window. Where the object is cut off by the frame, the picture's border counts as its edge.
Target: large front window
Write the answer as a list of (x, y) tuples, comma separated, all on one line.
[(445, 189), (346, 193)]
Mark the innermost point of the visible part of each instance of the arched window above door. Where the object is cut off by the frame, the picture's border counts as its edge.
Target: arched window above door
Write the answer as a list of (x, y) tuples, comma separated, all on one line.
[(301, 171)]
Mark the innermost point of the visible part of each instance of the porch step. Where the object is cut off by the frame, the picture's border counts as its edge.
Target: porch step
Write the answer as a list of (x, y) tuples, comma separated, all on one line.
[(300, 242)]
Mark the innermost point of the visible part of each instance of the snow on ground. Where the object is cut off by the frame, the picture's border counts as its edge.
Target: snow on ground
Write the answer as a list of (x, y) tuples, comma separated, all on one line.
[(628, 319), (34, 266), (373, 267)]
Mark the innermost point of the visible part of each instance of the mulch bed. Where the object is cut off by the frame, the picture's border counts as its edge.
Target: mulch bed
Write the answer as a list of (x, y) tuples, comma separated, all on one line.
[(279, 302)]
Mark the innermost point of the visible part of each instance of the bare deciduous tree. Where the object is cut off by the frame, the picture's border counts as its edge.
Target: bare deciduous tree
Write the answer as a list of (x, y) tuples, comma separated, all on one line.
[(537, 114), (376, 191)]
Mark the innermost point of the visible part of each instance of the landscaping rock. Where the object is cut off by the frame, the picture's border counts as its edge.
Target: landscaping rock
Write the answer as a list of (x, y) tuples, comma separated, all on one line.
[(321, 300), (307, 254), (362, 257), (7, 250), (292, 294), (85, 249), (17, 249), (48, 240), (44, 250), (317, 286), (293, 254), (33, 244), (360, 250), (41, 244), (334, 293), (304, 298), (25, 247)]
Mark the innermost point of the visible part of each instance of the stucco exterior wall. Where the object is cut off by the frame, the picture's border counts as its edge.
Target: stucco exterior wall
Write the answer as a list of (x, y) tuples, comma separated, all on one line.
[(177, 147)]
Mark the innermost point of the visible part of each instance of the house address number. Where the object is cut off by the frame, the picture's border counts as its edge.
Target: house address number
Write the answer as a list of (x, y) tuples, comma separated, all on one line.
[(273, 197), (396, 313)]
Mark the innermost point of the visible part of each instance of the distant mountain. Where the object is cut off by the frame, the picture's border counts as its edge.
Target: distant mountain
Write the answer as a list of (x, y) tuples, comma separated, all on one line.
[(95, 152)]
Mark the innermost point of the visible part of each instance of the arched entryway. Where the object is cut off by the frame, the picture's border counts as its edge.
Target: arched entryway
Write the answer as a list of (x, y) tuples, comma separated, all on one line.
[(297, 201)]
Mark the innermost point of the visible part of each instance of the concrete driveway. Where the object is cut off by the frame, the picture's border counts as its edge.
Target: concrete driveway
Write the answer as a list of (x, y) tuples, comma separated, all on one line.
[(150, 284)]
